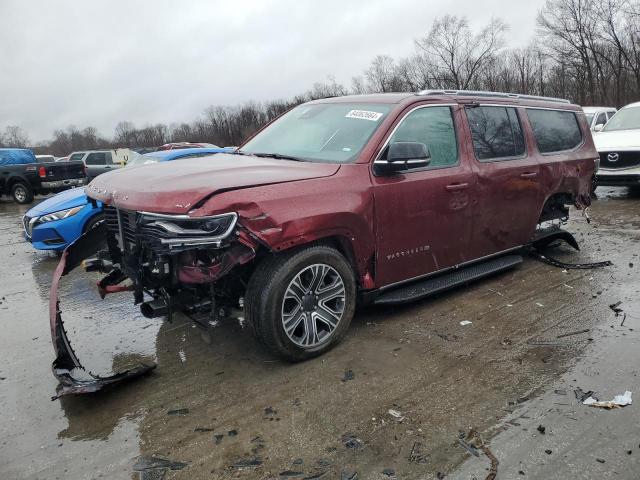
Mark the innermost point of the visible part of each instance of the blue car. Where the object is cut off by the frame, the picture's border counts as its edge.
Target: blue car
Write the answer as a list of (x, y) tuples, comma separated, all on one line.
[(57, 221)]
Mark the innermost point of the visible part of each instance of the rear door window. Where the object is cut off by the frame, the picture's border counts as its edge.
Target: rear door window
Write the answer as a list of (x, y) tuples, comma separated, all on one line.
[(496, 133), (611, 113), (555, 130), (434, 127), (76, 156), (97, 158)]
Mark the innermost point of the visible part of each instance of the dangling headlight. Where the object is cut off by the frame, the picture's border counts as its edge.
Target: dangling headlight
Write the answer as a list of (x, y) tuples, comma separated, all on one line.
[(59, 215)]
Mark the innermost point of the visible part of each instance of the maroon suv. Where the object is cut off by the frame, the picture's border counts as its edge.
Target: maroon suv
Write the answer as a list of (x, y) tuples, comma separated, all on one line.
[(376, 198)]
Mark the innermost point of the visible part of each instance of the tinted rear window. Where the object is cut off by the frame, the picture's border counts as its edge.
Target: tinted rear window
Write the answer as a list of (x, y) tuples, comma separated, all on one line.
[(496, 132), (555, 130)]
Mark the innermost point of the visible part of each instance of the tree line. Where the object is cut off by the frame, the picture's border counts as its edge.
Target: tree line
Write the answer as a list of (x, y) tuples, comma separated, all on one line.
[(585, 50)]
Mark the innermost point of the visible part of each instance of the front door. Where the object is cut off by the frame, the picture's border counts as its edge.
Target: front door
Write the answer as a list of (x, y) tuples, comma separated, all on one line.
[(423, 216), (508, 180)]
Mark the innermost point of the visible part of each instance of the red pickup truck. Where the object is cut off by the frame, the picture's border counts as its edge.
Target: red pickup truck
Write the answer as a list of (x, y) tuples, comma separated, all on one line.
[(377, 198)]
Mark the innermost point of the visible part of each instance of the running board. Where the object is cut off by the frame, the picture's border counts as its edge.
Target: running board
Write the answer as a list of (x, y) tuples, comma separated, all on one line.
[(459, 276)]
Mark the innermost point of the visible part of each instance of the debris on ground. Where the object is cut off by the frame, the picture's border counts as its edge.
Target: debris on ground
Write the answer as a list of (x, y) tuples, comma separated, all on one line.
[(203, 429), (251, 462), (616, 308), (351, 441), (473, 443), (218, 438), (315, 476), (290, 474), (389, 472), (349, 475), (542, 429), (560, 392), (577, 332), (232, 433), (395, 414), (617, 402), (348, 375), (465, 322), (567, 266), (548, 452), (178, 411), (416, 455), (581, 395), (600, 460), (151, 467)]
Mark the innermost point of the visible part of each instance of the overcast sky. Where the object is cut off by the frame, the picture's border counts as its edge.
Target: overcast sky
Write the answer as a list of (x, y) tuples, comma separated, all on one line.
[(98, 62)]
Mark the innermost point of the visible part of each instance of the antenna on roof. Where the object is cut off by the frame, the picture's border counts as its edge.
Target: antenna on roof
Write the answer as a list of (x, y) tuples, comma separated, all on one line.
[(480, 93)]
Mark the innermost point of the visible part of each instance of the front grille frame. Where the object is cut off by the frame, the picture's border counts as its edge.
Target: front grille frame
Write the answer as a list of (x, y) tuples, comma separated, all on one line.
[(627, 159)]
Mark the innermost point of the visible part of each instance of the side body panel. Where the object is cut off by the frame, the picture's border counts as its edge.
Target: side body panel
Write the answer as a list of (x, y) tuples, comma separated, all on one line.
[(423, 217), (508, 198), (283, 216), (567, 172)]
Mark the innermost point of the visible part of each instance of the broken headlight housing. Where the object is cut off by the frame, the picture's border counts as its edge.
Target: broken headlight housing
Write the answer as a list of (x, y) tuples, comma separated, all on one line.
[(183, 230)]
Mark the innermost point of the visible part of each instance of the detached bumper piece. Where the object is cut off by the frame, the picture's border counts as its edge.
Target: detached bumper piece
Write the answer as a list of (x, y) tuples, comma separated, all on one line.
[(71, 375)]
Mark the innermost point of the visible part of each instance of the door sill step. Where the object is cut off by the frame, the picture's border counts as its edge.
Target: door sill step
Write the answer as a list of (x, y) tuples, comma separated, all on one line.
[(424, 288)]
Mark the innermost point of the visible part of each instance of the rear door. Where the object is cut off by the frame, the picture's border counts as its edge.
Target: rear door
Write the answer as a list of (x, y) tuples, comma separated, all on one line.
[(97, 163), (508, 189), (423, 216)]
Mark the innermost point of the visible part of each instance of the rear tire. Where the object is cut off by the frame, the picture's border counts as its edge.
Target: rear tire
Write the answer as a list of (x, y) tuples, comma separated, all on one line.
[(300, 303), (22, 193)]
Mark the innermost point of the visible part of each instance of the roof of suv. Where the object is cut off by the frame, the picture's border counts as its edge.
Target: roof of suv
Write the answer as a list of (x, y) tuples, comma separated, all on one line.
[(451, 95)]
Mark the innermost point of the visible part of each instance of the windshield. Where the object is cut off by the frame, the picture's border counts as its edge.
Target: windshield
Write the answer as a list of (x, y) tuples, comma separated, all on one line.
[(625, 119), (324, 132), (136, 159)]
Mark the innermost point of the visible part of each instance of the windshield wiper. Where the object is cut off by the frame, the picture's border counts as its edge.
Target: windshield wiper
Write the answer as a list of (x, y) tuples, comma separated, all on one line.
[(278, 156)]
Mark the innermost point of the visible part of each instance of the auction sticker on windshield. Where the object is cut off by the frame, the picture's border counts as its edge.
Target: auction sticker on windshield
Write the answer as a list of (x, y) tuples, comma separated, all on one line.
[(364, 115)]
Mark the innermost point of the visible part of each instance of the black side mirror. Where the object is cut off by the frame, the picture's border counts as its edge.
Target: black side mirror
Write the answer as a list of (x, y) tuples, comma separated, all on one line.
[(402, 156)]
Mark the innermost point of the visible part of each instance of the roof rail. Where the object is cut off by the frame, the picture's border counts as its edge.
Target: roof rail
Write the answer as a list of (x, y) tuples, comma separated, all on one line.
[(480, 93)]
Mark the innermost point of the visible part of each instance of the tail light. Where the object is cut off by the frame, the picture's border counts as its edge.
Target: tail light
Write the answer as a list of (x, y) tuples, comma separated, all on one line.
[(42, 172)]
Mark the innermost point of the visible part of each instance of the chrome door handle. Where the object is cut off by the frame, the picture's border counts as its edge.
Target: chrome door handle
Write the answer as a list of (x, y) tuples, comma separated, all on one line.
[(529, 175), (454, 187)]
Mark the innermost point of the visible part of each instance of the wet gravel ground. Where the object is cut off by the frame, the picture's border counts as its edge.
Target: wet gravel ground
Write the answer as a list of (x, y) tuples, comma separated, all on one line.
[(389, 402)]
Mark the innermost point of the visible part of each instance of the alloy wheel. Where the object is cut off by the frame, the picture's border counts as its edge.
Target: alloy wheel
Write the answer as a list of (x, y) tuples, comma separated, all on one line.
[(313, 305)]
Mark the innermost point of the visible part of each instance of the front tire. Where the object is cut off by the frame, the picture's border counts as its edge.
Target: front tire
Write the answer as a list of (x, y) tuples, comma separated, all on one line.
[(21, 193), (300, 304)]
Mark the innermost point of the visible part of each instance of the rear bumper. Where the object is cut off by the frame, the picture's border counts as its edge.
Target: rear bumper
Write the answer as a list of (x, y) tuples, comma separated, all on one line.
[(71, 182), (618, 178)]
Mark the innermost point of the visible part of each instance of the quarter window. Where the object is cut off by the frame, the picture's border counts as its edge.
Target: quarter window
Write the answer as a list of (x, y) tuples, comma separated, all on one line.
[(602, 119), (496, 133), (555, 130), (434, 127)]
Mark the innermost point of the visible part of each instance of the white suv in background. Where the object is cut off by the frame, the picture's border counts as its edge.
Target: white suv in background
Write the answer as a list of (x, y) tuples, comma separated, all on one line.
[(618, 144), (597, 117)]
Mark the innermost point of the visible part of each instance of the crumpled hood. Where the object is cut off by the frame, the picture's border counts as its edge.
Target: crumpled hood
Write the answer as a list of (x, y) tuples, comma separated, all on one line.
[(61, 201), (175, 187), (608, 141)]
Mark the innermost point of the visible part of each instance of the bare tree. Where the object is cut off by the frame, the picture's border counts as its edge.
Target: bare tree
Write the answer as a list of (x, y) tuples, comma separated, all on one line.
[(15, 137), (458, 54)]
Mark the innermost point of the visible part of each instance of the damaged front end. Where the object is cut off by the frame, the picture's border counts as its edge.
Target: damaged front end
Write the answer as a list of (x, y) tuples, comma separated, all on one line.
[(71, 375), (171, 263)]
